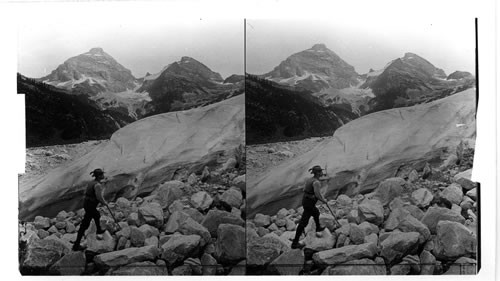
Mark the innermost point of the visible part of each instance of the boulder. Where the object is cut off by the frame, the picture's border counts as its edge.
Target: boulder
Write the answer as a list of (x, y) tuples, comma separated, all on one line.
[(41, 222), (413, 176), (168, 192), (428, 263), (326, 241), (194, 214), (181, 222), (232, 197), (151, 241), (356, 267), (179, 247), (137, 237), (216, 217), (263, 250), (104, 245), (453, 193), (70, 264), (182, 270), (239, 269), (371, 211), (411, 224), (208, 264), (124, 232), (288, 263), (149, 230), (389, 189), (201, 200), (122, 203), (464, 179), (122, 242), (422, 197), (230, 245), (145, 268), (454, 240), (133, 219), (345, 254), (262, 220), (70, 227), (463, 266), (152, 214), (344, 200), (472, 194), (415, 211), (436, 214), (357, 233), (41, 254), (176, 206), (399, 244)]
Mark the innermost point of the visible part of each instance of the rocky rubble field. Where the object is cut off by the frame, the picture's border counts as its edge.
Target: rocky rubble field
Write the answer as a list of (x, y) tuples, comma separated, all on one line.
[(420, 222), (190, 226), (262, 156), (41, 159)]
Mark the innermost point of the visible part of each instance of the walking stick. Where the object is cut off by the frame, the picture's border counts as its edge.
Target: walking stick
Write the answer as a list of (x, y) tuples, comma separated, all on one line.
[(328, 206), (113, 215)]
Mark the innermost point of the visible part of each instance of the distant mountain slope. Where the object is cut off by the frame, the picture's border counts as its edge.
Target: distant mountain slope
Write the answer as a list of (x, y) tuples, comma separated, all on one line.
[(53, 116), (186, 84), (408, 81), (91, 73), (314, 69), (276, 113)]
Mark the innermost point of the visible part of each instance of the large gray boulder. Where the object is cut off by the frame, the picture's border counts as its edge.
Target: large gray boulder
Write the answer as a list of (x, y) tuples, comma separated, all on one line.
[(230, 245), (371, 211), (436, 214), (324, 242), (183, 223), (454, 240), (41, 254), (453, 193), (106, 244), (262, 220), (288, 263), (70, 264), (41, 222), (389, 189), (356, 267), (232, 197), (201, 200), (463, 266), (422, 197), (152, 214), (345, 254), (214, 218), (168, 192), (127, 256), (399, 244), (180, 247), (428, 263), (145, 268), (464, 179), (263, 250)]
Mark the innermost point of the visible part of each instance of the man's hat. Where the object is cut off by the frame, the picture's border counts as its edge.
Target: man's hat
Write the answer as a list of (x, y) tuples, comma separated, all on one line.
[(97, 172), (315, 169)]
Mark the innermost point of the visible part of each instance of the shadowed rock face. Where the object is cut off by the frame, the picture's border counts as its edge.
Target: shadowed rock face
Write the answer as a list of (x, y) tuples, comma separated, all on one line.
[(140, 156), (314, 69), (367, 150)]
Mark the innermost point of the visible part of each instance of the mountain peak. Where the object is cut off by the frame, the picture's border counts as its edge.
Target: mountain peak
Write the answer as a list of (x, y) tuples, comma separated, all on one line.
[(319, 47), (96, 50)]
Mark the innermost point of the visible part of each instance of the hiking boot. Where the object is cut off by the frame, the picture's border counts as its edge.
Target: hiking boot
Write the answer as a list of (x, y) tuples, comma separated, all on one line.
[(298, 245)]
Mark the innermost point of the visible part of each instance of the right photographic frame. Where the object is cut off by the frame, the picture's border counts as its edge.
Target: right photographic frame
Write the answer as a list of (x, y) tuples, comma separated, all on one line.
[(360, 141)]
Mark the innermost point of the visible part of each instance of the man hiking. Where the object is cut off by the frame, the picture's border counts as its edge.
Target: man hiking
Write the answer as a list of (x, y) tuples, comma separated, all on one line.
[(312, 193), (93, 196)]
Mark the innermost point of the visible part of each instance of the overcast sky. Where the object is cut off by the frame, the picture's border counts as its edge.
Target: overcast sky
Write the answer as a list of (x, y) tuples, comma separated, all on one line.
[(448, 44), (142, 40)]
